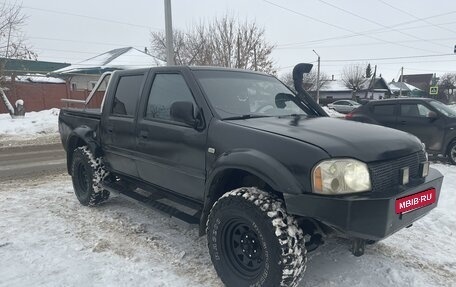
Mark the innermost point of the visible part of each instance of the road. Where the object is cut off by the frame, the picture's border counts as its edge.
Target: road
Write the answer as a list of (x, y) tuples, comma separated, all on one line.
[(26, 161)]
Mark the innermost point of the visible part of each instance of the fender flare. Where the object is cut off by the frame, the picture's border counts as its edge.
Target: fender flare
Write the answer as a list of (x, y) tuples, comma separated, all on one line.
[(81, 134), (265, 167)]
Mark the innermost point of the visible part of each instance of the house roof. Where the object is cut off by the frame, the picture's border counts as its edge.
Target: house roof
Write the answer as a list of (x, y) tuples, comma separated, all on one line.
[(397, 86), (17, 66), (335, 86), (117, 59), (421, 81), (379, 85)]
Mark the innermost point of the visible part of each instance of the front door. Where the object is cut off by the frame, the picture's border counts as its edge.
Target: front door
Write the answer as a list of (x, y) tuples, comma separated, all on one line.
[(172, 154), (413, 118)]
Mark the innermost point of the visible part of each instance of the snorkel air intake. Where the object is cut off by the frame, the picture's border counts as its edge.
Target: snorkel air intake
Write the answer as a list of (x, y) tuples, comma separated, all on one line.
[(298, 72)]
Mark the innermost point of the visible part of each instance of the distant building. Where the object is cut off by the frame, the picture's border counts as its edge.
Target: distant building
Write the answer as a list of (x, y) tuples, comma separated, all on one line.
[(421, 81), (42, 84), (334, 90), (407, 90), (27, 80), (84, 75)]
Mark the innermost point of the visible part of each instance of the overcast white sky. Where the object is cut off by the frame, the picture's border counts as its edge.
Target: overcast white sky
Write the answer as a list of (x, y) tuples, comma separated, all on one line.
[(337, 32)]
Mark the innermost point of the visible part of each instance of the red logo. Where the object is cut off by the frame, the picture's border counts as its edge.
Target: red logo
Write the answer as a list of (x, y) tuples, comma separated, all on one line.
[(415, 201)]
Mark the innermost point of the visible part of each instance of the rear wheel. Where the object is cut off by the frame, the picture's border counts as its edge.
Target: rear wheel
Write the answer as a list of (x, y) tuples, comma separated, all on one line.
[(253, 241), (87, 174), (452, 152)]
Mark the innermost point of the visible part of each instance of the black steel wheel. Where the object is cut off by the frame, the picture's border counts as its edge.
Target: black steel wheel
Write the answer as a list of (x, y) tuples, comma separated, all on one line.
[(87, 174), (253, 241)]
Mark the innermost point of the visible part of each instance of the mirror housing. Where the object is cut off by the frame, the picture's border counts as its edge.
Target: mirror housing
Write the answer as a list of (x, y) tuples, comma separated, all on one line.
[(432, 115), (183, 112), (281, 100)]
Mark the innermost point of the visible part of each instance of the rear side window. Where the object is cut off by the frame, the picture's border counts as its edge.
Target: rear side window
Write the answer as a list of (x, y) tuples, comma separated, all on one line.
[(384, 110), (167, 89), (414, 110), (127, 95)]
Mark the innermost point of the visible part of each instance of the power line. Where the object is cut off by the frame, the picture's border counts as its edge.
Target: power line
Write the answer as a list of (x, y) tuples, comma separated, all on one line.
[(377, 23), (85, 16), (419, 19), (377, 31), (388, 58), (342, 28), (84, 42), (358, 44)]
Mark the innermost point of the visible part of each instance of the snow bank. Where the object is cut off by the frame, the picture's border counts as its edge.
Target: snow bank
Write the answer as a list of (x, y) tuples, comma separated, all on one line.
[(333, 113), (33, 124)]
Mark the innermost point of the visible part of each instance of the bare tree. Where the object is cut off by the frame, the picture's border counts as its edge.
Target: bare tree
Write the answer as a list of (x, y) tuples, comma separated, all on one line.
[(224, 42), (447, 84), (353, 78), (309, 81), (12, 43)]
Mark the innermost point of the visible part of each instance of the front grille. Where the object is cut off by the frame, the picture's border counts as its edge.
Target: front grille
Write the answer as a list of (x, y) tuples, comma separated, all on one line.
[(386, 174)]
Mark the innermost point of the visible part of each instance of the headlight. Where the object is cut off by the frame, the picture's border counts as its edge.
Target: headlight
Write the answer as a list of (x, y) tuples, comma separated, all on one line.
[(340, 176)]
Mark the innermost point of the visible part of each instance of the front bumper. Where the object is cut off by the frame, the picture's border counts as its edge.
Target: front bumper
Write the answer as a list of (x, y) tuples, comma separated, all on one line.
[(369, 216)]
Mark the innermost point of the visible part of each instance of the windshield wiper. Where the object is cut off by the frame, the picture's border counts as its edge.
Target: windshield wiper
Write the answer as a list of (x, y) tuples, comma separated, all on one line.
[(247, 116), (293, 115)]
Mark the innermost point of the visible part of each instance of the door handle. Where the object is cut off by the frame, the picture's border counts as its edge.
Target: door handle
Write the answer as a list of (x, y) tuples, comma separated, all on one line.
[(143, 134), (110, 129), (403, 122)]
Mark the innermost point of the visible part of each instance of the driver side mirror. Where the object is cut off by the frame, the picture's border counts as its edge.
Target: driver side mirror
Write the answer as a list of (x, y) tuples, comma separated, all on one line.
[(183, 112), (432, 115), (281, 100)]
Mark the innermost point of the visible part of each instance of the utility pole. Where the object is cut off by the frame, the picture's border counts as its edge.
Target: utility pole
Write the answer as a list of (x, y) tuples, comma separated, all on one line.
[(402, 80), (169, 34), (318, 78)]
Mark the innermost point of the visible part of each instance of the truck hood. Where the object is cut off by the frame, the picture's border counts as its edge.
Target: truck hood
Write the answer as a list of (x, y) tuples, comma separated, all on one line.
[(340, 138)]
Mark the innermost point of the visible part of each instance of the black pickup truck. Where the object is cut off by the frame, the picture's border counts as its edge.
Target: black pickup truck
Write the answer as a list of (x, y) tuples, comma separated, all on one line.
[(267, 173)]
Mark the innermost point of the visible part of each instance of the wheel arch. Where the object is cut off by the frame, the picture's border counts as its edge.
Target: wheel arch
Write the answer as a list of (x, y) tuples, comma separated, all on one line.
[(245, 167)]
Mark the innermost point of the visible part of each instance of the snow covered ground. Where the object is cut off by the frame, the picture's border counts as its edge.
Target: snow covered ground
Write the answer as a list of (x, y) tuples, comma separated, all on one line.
[(34, 127), (48, 239)]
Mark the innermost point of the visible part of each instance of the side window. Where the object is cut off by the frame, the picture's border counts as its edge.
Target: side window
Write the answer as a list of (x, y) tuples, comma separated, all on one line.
[(167, 89), (384, 110), (414, 110), (127, 95)]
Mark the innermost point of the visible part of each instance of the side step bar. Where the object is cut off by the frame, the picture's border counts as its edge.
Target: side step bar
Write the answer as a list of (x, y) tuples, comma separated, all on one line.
[(151, 201)]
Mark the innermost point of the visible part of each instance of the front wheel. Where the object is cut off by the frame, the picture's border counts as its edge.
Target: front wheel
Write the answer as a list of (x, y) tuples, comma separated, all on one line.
[(87, 173), (452, 152), (253, 241)]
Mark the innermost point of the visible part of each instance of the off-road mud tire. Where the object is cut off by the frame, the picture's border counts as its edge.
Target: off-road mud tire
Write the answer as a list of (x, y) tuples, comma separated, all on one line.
[(87, 174), (279, 254)]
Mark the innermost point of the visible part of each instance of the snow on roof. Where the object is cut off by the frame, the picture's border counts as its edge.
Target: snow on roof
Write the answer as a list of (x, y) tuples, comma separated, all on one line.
[(396, 86), (334, 86), (122, 58), (36, 78), (39, 79)]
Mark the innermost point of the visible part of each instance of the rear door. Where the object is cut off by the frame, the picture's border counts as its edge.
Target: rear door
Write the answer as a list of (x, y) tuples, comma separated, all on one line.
[(413, 118), (118, 126), (172, 154), (384, 114)]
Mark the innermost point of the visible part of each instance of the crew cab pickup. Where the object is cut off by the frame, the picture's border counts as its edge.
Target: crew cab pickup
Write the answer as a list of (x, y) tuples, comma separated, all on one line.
[(268, 174)]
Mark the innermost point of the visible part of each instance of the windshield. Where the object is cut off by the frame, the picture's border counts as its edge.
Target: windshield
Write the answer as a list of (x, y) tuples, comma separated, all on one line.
[(236, 94), (444, 109)]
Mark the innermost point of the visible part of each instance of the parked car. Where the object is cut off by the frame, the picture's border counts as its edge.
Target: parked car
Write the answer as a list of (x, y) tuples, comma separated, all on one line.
[(433, 122), (344, 106), (266, 173)]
